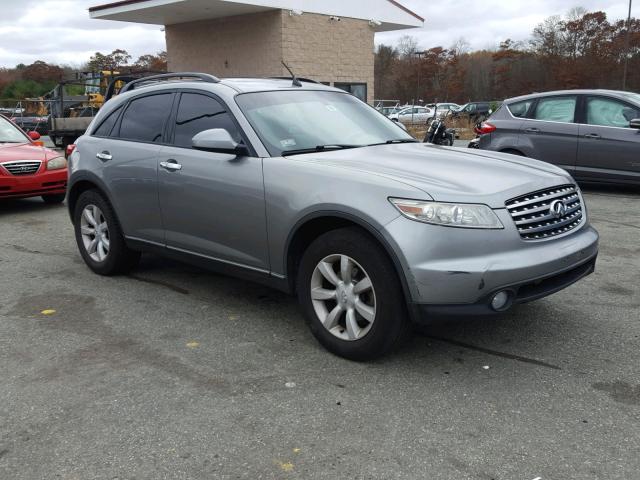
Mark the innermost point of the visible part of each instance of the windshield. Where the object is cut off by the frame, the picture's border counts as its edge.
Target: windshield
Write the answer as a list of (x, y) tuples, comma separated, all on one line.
[(9, 133), (299, 120)]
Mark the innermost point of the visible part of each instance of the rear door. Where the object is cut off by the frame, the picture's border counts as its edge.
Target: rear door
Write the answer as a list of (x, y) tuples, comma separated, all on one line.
[(214, 204), (125, 147), (608, 149), (551, 134)]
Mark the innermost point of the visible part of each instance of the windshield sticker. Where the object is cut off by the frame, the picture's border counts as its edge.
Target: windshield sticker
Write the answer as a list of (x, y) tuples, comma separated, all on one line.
[(288, 142)]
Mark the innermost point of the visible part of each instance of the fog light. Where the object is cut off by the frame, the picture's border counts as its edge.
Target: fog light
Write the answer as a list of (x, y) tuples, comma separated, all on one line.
[(500, 300)]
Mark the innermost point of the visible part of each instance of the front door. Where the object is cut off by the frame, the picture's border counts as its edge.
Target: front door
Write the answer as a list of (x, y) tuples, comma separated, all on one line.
[(608, 149), (551, 134), (214, 204)]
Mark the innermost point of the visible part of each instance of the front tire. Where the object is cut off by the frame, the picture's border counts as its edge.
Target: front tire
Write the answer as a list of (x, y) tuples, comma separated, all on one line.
[(351, 296), (99, 236)]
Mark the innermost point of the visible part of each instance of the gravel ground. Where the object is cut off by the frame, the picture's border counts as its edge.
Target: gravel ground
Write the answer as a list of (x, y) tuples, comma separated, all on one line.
[(177, 373)]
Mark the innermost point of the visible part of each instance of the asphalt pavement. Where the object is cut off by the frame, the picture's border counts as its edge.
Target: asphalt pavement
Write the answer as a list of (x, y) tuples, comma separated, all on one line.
[(177, 373)]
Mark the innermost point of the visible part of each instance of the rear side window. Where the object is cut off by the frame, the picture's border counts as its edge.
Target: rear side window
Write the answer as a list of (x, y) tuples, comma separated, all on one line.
[(144, 118), (520, 109), (556, 109), (609, 112), (197, 113), (104, 130)]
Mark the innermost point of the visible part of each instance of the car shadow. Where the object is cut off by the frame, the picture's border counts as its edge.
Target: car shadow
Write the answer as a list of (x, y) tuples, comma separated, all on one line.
[(506, 336), (26, 205), (610, 189)]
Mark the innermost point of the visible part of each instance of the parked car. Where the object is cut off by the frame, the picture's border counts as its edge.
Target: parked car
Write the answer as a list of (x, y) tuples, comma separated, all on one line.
[(27, 169), (414, 114), (307, 189), (386, 111), (593, 134), (443, 109), (473, 111)]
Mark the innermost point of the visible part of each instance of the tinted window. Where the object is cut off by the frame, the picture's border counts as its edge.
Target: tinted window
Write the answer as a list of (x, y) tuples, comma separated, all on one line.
[(104, 130), (520, 109), (144, 118), (556, 109), (609, 112), (198, 113)]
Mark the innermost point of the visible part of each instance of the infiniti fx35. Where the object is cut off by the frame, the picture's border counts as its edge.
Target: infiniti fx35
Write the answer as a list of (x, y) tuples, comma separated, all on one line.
[(305, 188)]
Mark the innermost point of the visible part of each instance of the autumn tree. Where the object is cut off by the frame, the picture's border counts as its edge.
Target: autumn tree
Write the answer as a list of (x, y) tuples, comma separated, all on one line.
[(112, 61)]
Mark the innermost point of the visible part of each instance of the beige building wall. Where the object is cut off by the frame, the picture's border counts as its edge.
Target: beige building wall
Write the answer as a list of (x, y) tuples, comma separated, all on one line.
[(313, 45)]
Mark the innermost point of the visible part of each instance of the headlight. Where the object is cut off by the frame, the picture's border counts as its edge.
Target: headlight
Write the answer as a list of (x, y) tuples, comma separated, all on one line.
[(463, 215), (56, 163)]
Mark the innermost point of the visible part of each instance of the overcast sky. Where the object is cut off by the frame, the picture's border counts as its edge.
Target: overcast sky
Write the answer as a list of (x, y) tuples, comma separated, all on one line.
[(60, 31)]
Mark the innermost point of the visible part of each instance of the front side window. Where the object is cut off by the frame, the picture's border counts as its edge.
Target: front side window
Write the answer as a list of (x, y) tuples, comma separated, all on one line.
[(520, 109), (197, 113), (295, 120), (556, 109), (609, 112), (9, 133), (104, 130), (145, 118)]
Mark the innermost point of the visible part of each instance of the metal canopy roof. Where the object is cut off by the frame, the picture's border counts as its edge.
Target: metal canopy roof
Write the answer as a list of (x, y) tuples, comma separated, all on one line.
[(390, 14)]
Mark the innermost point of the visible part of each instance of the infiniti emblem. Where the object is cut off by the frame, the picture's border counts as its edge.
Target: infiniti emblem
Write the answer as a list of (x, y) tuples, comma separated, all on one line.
[(558, 208)]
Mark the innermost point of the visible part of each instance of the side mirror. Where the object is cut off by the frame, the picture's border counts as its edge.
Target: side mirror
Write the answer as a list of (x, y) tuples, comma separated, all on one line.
[(33, 135), (218, 140), (635, 123)]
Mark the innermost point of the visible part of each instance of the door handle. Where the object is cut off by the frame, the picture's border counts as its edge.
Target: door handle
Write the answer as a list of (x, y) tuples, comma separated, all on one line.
[(532, 130), (104, 156), (171, 165), (592, 135)]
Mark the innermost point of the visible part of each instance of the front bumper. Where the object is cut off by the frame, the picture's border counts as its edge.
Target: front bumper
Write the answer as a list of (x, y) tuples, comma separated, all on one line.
[(45, 183), (518, 293), (459, 270)]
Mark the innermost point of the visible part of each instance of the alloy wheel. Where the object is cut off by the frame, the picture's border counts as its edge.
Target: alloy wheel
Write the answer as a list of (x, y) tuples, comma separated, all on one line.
[(343, 297), (95, 233)]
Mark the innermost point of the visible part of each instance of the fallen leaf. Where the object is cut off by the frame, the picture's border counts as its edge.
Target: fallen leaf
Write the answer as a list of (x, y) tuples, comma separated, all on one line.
[(193, 344), (287, 466), (48, 312)]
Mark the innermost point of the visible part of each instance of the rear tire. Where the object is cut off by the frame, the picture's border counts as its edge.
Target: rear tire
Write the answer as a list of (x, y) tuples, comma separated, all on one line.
[(53, 199), (99, 236), (357, 309)]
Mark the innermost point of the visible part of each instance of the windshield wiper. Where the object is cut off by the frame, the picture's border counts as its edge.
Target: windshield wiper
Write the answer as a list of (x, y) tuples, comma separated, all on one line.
[(396, 140), (319, 148)]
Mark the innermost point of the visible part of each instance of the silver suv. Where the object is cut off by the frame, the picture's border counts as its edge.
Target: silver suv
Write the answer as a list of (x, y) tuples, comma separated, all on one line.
[(307, 189)]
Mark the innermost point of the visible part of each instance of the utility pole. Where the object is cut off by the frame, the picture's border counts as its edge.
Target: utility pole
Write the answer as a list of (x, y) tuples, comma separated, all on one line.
[(626, 49)]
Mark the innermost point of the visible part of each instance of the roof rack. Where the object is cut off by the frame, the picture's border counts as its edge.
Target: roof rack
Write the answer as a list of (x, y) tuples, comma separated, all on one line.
[(302, 79), (205, 77)]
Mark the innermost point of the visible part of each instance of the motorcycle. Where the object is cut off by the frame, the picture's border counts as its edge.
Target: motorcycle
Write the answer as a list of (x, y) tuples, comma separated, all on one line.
[(438, 133)]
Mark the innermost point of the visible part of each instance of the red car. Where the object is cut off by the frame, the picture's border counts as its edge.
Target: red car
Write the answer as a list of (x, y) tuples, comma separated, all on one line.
[(27, 168)]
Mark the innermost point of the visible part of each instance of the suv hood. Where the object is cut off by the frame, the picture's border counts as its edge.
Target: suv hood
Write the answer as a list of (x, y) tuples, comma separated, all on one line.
[(449, 174)]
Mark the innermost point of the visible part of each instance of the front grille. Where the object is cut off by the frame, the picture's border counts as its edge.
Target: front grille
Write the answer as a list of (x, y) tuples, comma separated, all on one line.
[(547, 213), (22, 167)]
